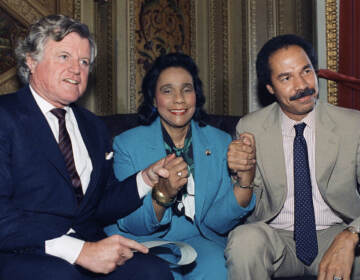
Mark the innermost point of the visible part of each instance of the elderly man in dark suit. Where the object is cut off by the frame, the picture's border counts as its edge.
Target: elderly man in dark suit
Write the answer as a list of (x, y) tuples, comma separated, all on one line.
[(57, 188)]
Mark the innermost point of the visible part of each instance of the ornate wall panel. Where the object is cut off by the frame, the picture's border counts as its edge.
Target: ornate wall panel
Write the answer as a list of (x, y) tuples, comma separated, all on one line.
[(103, 78), (15, 17), (332, 47), (236, 51), (161, 26), (279, 17)]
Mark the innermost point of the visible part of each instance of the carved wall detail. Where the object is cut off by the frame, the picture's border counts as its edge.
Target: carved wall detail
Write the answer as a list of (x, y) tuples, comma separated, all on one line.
[(15, 17), (253, 97), (271, 17), (104, 68), (226, 39), (332, 47), (162, 26), (77, 9), (132, 66), (212, 62), (192, 30)]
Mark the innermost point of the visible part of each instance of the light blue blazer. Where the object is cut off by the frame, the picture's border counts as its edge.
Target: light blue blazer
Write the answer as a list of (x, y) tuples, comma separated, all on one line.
[(216, 208)]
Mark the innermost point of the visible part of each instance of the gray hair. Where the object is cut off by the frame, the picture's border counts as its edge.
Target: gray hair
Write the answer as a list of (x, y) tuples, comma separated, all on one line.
[(55, 27)]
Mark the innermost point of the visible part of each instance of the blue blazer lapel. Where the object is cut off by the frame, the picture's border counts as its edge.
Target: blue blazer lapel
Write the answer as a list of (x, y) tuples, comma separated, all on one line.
[(40, 134), (154, 145), (202, 159)]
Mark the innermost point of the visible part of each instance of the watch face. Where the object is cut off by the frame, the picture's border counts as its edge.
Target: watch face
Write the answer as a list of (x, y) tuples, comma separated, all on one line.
[(353, 229)]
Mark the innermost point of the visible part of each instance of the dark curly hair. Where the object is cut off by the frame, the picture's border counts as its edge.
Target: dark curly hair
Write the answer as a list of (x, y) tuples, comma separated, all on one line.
[(263, 70), (147, 111)]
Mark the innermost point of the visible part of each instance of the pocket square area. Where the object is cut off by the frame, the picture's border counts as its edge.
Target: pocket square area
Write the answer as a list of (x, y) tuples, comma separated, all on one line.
[(109, 155)]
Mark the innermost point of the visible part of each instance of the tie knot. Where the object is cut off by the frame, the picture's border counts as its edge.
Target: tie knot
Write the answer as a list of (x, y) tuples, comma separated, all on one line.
[(59, 113), (299, 129)]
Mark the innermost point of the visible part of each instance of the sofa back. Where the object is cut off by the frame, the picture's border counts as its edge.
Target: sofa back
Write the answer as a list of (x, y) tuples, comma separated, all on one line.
[(120, 122)]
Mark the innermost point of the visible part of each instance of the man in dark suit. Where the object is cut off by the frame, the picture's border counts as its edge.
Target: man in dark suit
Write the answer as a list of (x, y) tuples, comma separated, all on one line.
[(57, 188)]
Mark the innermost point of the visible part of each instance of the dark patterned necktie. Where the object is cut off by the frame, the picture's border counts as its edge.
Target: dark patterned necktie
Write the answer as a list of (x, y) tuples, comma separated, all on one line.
[(304, 228), (66, 149)]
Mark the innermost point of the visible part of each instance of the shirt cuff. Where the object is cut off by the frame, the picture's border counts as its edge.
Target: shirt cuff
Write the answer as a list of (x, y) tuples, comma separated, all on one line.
[(143, 188), (65, 247)]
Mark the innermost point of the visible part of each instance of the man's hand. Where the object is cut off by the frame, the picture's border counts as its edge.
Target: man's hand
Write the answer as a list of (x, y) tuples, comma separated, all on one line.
[(178, 174), (152, 173), (103, 256), (339, 258), (241, 157)]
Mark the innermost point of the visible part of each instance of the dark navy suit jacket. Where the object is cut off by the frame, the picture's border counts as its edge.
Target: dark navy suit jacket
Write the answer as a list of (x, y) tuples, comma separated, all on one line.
[(37, 201)]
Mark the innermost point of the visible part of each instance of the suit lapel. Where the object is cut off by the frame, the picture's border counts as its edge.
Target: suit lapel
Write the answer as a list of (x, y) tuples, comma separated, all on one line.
[(202, 161), (327, 143), (40, 133), (97, 155), (270, 155), (154, 147)]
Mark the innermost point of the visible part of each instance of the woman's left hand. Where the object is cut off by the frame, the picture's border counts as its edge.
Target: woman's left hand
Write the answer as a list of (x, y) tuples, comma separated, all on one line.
[(178, 176)]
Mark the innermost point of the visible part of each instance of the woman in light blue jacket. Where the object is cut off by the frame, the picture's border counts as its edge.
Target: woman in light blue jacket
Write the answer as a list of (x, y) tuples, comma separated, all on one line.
[(196, 203)]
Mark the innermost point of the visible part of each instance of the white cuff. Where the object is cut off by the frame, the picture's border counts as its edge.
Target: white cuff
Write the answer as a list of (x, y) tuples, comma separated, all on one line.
[(143, 188), (64, 247)]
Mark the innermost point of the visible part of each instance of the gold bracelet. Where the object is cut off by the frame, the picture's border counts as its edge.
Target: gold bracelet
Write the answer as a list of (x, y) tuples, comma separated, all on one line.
[(235, 180), (250, 187), (160, 198)]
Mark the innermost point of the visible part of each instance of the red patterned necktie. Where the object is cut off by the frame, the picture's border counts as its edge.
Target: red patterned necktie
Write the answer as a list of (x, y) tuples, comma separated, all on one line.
[(66, 149)]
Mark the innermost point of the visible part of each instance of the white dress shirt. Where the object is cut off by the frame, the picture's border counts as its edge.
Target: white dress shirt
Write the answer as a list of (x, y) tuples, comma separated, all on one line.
[(65, 246), (324, 216)]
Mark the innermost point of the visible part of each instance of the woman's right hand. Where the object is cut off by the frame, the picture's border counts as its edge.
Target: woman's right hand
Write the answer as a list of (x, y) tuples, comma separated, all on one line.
[(178, 176)]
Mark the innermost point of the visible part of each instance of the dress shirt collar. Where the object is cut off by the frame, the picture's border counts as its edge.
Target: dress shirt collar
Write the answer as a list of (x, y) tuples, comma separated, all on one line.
[(287, 124), (44, 105)]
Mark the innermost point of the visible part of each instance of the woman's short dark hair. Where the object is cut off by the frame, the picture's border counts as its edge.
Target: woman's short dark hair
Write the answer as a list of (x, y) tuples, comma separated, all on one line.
[(263, 70), (147, 111)]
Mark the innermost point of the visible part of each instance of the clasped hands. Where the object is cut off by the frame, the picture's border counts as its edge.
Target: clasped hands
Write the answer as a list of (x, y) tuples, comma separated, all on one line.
[(241, 157), (169, 175)]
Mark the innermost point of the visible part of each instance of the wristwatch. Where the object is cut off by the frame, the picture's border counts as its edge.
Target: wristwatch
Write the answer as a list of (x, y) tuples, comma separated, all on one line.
[(354, 230), (235, 180)]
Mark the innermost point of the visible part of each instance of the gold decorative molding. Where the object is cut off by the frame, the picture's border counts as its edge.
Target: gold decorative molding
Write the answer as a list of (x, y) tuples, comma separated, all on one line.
[(66, 7), (21, 11), (271, 18), (132, 64), (43, 10), (212, 67), (192, 29), (8, 81), (7, 75), (253, 49), (77, 9), (332, 47), (281, 20), (299, 18), (104, 69), (10, 85)]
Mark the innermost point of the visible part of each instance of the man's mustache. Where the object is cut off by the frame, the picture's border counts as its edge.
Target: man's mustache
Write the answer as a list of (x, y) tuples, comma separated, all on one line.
[(302, 93)]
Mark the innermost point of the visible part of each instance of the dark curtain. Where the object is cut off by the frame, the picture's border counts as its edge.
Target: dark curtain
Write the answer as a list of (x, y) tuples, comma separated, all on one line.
[(349, 53)]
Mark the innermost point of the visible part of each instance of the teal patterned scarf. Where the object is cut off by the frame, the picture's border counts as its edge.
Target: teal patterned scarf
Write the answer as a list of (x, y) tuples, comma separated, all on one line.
[(186, 153)]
